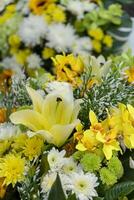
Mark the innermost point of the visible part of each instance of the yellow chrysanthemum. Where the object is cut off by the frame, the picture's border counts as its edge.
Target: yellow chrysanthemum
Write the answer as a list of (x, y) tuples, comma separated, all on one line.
[(54, 13), (130, 74), (14, 40), (33, 147), (96, 33), (21, 56), (12, 169), (48, 53), (19, 142), (108, 41), (68, 68), (97, 46), (38, 6)]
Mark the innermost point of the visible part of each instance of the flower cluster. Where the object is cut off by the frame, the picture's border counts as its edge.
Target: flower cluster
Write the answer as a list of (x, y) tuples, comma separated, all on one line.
[(32, 31)]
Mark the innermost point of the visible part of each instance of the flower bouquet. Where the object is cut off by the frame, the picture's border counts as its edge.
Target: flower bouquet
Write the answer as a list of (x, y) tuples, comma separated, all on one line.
[(73, 138), (32, 31)]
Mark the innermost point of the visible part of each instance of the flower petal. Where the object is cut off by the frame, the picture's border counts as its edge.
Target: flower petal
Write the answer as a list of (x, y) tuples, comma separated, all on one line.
[(31, 119), (36, 99)]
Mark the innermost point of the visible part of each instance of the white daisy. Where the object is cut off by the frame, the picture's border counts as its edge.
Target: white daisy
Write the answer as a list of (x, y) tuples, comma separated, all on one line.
[(7, 130), (48, 181), (83, 185), (69, 166), (82, 46), (32, 30), (78, 7), (34, 61), (56, 159), (61, 37)]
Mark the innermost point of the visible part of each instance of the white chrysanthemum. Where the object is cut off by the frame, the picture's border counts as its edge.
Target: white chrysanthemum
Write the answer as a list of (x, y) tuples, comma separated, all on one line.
[(56, 159), (48, 181), (70, 166), (34, 61), (11, 63), (61, 37), (7, 130), (78, 7), (83, 185), (82, 46), (32, 30)]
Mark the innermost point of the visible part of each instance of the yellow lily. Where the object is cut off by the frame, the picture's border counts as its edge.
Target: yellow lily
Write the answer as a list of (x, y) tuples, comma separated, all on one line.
[(109, 143), (54, 117)]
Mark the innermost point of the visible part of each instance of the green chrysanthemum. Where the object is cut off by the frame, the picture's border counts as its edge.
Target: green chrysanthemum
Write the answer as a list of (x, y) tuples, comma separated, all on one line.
[(107, 177), (115, 166), (78, 155), (91, 162)]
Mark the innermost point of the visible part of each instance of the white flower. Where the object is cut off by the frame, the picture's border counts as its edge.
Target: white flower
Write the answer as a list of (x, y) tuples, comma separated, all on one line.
[(83, 185), (56, 159), (70, 166), (11, 63), (61, 37), (7, 130), (78, 7), (82, 46), (131, 163), (48, 181), (34, 61), (100, 67), (56, 85), (32, 30)]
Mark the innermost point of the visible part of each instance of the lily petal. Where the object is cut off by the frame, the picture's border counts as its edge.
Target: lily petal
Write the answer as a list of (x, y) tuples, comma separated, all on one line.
[(36, 99), (29, 118)]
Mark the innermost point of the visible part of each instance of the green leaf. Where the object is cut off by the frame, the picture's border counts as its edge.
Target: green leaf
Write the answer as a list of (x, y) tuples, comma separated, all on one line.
[(56, 191), (44, 166), (98, 198), (119, 190), (72, 197)]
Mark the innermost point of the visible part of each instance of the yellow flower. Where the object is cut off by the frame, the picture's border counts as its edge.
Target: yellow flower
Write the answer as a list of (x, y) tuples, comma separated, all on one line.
[(108, 41), (4, 146), (2, 188), (54, 13), (14, 40), (130, 74), (109, 141), (10, 10), (21, 56), (95, 125), (97, 46), (48, 53), (53, 117), (33, 147), (38, 6), (3, 113), (68, 67), (19, 142), (12, 169), (87, 142), (96, 33)]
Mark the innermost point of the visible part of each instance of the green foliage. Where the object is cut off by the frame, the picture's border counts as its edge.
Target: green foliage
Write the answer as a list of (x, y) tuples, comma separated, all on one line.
[(109, 93), (119, 190), (72, 197), (56, 191)]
